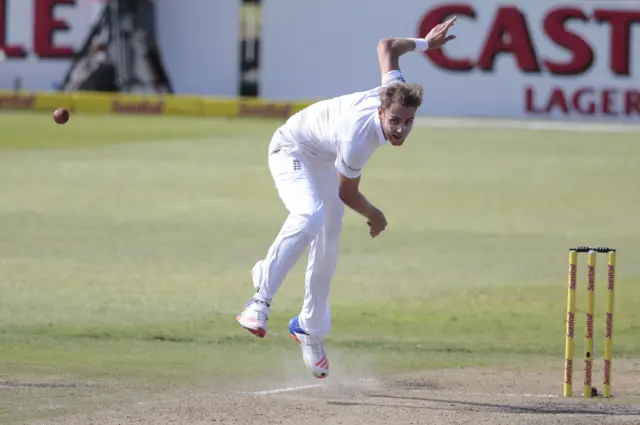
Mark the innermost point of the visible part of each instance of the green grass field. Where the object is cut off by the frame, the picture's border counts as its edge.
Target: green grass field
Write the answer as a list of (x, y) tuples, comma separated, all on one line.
[(126, 245)]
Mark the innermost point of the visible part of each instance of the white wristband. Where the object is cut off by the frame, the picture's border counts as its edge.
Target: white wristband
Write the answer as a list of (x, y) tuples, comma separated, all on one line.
[(421, 44)]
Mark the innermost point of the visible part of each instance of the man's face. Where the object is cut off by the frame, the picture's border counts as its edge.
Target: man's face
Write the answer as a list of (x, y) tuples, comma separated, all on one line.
[(397, 122)]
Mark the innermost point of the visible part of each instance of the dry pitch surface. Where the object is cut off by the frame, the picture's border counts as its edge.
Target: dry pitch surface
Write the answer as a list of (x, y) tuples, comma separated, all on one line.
[(461, 396)]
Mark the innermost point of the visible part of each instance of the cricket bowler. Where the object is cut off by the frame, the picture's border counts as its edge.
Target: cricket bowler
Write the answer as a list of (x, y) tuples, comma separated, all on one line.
[(316, 160)]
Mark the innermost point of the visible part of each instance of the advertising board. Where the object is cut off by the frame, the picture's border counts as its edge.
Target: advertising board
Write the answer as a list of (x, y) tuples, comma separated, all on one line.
[(543, 59), (198, 40)]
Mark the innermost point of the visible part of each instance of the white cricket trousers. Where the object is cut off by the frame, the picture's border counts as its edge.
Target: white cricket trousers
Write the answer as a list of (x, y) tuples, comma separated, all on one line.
[(308, 187)]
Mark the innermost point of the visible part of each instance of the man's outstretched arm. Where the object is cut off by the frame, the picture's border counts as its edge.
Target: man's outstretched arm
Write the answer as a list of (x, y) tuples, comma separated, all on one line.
[(390, 49)]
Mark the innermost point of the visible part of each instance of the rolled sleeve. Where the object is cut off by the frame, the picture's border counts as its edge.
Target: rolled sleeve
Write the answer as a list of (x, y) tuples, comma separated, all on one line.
[(354, 150), (350, 162)]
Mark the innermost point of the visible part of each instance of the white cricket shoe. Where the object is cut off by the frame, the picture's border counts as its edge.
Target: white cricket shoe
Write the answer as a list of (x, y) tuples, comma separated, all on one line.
[(313, 354), (254, 317)]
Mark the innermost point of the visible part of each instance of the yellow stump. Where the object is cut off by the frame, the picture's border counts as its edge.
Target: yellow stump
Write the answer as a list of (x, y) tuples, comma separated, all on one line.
[(608, 333), (571, 309), (588, 334)]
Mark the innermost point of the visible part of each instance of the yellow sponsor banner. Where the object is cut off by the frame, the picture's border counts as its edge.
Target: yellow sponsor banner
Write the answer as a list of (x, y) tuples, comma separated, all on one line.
[(150, 104), (18, 101), (220, 107), (53, 101), (92, 102), (138, 105), (260, 108), (299, 106), (249, 107), (192, 106), (118, 103)]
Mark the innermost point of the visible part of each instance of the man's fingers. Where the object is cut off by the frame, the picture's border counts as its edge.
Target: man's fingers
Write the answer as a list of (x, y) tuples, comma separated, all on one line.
[(374, 232), (448, 24), (450, 37), (443, 27)]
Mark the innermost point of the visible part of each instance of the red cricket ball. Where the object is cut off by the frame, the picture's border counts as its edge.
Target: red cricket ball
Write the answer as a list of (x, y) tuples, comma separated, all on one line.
[(61, 115)]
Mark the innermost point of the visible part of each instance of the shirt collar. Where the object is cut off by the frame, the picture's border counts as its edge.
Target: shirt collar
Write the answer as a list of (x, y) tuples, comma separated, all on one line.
[(376, 120)]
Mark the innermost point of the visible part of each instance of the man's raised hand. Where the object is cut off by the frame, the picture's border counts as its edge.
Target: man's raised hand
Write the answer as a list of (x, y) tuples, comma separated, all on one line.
[(437, 37)]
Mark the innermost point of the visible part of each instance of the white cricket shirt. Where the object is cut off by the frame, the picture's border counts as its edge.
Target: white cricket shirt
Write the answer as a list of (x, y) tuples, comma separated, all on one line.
[(345, 129)]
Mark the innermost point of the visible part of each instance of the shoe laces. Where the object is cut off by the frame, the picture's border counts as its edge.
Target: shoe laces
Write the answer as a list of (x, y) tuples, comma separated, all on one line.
[(261, 316), (258, 307)]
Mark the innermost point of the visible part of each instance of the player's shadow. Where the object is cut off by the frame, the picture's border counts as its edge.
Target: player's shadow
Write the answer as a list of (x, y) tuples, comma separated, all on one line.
[(448, 404)]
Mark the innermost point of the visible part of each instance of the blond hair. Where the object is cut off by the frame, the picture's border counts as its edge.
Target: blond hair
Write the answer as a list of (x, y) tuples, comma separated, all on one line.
[(403, 94)]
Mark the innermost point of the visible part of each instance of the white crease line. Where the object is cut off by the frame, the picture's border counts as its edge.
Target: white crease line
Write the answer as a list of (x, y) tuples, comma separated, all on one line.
[(462, 393), (363, 381), (516, 395), (458, 393), (281, 390)]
